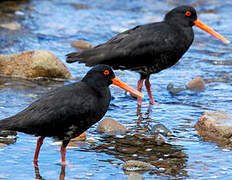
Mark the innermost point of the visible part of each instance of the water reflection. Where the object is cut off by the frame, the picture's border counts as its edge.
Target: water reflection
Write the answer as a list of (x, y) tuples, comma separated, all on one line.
[(39, 177), (36, 84), (168, 159), (147, 114)]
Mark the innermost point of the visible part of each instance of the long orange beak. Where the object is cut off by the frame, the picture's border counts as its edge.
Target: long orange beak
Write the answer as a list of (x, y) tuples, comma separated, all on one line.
[(124, 86), (206, 28)]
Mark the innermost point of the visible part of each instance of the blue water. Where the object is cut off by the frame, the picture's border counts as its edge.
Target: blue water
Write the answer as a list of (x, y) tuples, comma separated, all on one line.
[(54, 24)]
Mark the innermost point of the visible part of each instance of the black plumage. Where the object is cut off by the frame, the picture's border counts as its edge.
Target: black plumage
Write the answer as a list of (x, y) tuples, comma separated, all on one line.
[(148, 48), (67, 111)]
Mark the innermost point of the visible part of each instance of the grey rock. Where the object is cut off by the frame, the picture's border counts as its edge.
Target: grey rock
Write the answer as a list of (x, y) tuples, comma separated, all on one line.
[(111, 127), (134, 165), (160, 129)]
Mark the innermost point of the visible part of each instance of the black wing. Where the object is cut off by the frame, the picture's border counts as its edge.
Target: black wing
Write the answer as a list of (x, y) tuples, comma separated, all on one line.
[(54, 113), (139, 44)]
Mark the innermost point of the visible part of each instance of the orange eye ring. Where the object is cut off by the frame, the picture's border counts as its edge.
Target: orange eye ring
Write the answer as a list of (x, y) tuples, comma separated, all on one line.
[(106, 72), (188, 13)]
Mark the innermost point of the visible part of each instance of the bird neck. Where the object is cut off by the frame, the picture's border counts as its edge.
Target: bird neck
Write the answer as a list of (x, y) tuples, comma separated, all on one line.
[(99, 86)]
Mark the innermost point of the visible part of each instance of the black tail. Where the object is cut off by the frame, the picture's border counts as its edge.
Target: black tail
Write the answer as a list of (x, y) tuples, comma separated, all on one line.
[(72, 57), (91, 57), (5, 124)]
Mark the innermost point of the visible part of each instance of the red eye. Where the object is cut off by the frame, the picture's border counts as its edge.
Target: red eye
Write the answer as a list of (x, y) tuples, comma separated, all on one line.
[(106, 72), (188, 13)]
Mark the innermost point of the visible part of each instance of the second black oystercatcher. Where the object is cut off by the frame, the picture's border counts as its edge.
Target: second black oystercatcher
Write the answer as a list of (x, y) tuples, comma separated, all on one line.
[(148, 48), (68, 111)]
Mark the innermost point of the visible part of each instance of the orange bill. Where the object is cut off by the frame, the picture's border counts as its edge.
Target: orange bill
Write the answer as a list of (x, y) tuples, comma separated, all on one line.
[(124, 86), (206, 28)]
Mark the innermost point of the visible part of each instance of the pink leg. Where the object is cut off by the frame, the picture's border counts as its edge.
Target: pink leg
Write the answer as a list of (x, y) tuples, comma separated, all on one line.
[(148, 86), (63, 152), (39, 144), (140, 86)]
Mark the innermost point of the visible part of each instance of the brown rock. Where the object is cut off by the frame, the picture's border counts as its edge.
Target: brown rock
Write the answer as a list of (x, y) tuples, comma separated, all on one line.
[(216, 126), (196, 84), (81, 44), (2, 144), (107, 125), (32, 64)]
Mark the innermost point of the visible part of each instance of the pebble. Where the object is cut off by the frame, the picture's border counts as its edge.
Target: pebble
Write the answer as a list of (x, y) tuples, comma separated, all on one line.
[(110, 126), (2, 144), (11, 26), (81, 44), (173, 90), (196, 84), (160, 129), (135, 165), (5, 133)]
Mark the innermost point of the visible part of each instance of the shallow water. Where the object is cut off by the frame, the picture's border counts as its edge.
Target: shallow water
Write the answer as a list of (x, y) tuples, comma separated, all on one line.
[(54, 25)]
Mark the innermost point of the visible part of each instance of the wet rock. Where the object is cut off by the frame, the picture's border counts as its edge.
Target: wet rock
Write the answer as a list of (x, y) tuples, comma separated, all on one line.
[(11, 26), (80, 6), (160, 129), (32, 64), (111, 126), (159, 139), (81, 44), (227, 62), (224, 80), (173, 90), (2, 144), (5, 133), (134, 165), (196, 84), (82, 137), (215, 126), (116, 132), (7, 136)]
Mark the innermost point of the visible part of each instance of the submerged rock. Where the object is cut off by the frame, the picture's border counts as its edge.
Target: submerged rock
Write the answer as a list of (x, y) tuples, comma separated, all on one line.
[(196, 84), (32, 64), (159, 139), (5, 133), (111, 127), (7, 137), (216, 126), (134, 165), (174, 90), (2, 144), (10, 26), (81, 44), (161, 129)]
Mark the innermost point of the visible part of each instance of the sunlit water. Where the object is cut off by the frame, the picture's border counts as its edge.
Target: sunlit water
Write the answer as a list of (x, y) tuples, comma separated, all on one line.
[(54, 24)]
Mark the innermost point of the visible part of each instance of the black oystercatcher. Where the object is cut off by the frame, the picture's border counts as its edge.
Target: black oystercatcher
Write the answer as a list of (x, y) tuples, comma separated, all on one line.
[(148, 48), (68, 111)]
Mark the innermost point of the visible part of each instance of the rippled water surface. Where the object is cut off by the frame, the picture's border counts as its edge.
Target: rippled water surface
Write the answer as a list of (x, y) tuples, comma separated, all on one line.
[(54, 25)]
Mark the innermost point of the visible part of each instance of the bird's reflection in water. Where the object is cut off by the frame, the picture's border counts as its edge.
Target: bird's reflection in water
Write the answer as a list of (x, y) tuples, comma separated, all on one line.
[(147, 113), (167, 159), (39, 177)]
